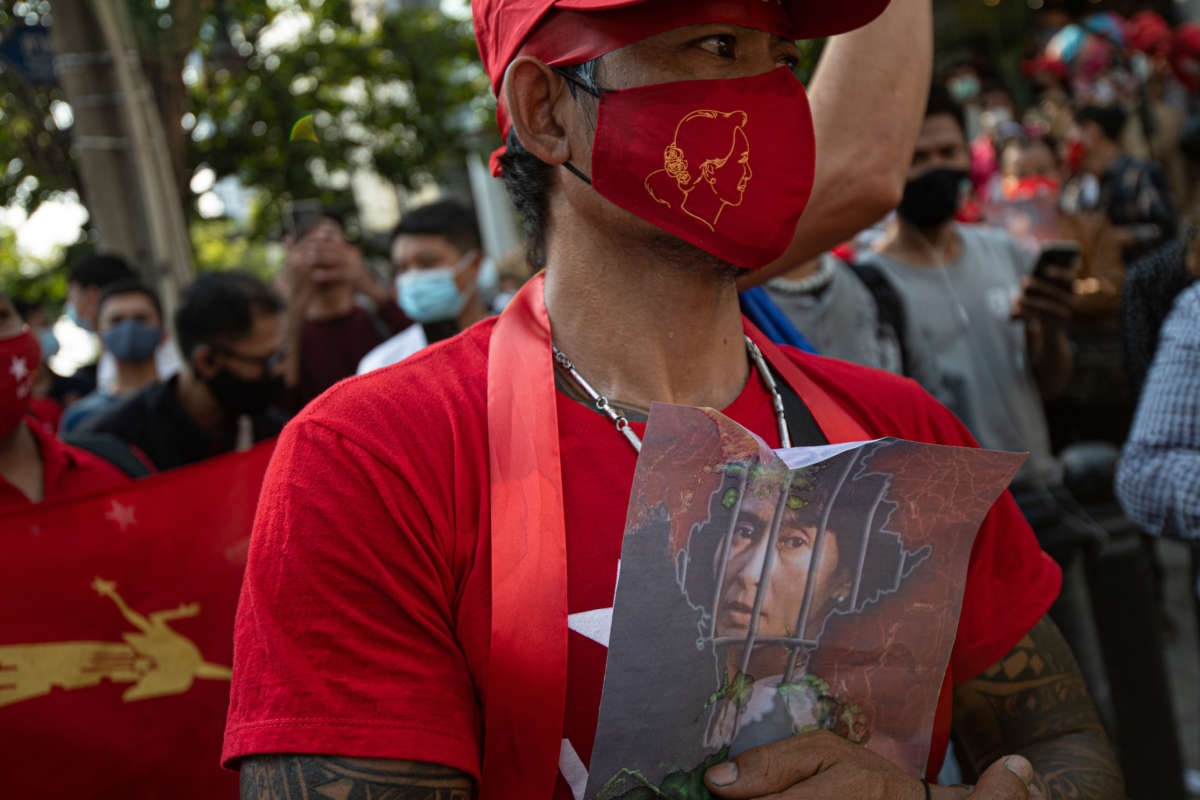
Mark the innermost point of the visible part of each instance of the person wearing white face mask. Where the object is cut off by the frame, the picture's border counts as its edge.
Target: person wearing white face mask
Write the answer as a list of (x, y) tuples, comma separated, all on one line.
[(443, 281)]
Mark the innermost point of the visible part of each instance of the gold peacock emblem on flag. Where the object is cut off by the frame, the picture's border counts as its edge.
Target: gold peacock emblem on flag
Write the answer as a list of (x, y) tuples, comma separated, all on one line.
[(157, 660)]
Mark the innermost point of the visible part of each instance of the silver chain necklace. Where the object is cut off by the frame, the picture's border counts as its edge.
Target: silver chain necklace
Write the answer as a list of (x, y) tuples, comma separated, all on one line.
[(623, 426)]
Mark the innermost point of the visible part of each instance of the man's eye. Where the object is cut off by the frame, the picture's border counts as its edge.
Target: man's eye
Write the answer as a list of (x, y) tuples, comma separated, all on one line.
[(792, 542), (790, 61), (723, 45), (744, 531)]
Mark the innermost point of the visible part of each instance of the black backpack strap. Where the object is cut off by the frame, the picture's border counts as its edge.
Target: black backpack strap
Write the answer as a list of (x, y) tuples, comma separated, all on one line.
[(112, 450), (889, 303), (802, 425)]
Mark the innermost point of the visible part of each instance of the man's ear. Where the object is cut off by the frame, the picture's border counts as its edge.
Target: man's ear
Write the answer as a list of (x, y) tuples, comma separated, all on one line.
[(533, 93), (201, 362), (468, 275)]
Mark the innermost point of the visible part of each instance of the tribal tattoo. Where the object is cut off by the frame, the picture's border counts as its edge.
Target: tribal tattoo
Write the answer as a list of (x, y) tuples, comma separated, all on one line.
[(307, 777), (1034, 702)]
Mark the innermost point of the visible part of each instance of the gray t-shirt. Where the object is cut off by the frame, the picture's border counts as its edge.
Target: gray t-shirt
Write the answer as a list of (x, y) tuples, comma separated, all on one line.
[(840, 319), (961, 316)]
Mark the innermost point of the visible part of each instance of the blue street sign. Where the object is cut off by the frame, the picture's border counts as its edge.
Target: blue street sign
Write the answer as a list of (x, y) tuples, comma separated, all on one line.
[(27, 50)]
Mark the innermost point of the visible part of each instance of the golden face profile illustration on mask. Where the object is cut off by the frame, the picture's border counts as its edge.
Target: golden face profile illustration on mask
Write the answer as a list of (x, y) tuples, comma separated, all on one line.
[(157, 660), (706, 167)]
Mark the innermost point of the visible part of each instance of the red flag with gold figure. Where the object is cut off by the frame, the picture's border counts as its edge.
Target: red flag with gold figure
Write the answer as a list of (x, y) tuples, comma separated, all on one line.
[(117, 634)]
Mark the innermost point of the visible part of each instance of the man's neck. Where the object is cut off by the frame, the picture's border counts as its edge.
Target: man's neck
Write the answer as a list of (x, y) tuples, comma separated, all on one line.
[(1105, 156), (330, 301), (134, 376), (199, 404), (472, 312), (21, 462), (804, 270), (922, 247), (664, 326)]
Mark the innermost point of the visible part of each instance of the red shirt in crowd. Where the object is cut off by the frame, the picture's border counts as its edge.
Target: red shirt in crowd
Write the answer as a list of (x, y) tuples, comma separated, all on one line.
[(364, 622), (331, 349), (66, 471), (47, 410)]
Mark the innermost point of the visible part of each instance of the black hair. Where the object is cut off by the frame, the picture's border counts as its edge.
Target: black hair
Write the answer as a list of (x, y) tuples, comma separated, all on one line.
[(23, 306), (940, 102), (332, 214), (130, 286), (99, 270), (527, 177), (996, 86), (1049, 142), (449, 219), (220, 307), (1111, 119)]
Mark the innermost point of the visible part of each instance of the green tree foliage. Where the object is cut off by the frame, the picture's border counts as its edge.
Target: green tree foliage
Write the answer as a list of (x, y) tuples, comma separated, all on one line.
[(219, 246), (29, 279), (401, 94), (35, 158)]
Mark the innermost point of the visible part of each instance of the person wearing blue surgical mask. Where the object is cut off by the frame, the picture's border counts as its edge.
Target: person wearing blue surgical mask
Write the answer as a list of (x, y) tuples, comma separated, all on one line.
[(444, 283), (129, 321)]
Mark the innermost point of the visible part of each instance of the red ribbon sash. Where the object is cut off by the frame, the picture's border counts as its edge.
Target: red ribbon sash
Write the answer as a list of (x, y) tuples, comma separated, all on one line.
[(527, 672)]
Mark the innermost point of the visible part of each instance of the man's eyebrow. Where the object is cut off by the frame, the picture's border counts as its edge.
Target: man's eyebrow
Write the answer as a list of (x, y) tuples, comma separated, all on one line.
[(777, 39)]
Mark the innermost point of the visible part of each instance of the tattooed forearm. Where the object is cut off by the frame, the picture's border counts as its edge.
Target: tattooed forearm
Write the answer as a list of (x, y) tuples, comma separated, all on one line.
[(300, 777), (1033, 702)]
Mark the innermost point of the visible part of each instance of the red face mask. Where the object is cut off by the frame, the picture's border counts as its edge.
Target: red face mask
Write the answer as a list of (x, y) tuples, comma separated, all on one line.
[(726, 165), (1076, 150), (19, 357)]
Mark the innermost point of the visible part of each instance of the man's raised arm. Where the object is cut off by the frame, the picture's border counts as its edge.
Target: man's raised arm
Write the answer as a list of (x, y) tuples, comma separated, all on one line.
[(868, 99)]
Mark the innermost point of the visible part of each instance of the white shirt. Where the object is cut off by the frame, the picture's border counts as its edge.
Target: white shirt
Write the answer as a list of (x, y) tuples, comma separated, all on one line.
[(394, 350)]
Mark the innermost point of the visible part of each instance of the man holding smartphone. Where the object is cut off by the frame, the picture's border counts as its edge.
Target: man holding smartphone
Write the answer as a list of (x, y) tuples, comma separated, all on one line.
[(327, 331), (993, 329)]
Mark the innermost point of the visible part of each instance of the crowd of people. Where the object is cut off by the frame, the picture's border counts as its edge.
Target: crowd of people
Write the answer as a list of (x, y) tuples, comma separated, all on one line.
[(967, 288), (1034, 279), (240, 356)]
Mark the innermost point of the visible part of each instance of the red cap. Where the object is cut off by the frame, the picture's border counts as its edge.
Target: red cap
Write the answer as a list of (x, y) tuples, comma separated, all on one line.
[(1185, 54), (1149, 33), (563, 32)]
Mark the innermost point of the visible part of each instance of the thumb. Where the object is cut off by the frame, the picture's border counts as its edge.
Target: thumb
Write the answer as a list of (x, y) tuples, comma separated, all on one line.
[(768, 769), (1008, 778)]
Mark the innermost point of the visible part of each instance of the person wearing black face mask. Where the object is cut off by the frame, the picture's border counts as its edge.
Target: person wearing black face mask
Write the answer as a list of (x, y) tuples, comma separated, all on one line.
[(230, 330), (994, 334)]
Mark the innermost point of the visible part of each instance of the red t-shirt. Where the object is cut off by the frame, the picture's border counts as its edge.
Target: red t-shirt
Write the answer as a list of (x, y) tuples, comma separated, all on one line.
[(364, 622), (66, 471), (331, 349)]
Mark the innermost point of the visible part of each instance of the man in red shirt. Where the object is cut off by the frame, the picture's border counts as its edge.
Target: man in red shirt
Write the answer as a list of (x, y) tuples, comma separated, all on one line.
[(326, 331), (34, 465), (437, 542)]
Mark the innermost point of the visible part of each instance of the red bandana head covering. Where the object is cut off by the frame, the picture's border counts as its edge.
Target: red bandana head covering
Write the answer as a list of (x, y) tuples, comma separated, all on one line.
[(564, 32), (1185, 55), (1149, 33)]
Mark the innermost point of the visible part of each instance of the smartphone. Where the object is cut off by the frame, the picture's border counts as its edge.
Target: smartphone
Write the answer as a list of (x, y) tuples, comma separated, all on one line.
[(1056, 254), (299, 216)]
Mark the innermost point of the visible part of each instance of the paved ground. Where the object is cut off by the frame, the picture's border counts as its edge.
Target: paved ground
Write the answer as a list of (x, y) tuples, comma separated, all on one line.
[(1183, 655)]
